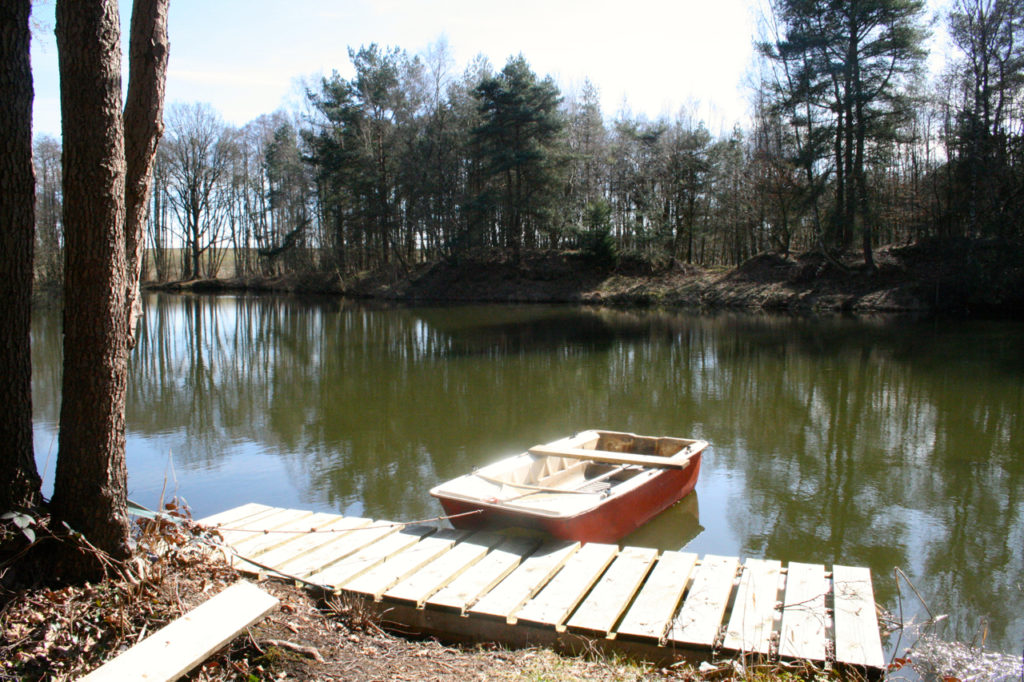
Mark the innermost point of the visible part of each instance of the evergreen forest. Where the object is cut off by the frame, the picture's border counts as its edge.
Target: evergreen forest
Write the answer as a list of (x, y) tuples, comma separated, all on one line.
[(850, 144)]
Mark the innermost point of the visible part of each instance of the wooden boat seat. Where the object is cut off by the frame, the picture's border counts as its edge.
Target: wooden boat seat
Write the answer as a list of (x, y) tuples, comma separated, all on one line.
[(678, 461)]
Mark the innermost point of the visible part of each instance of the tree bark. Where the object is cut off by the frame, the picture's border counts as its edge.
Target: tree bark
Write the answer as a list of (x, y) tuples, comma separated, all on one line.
[(91, 480), (143, 127), (19, 480)]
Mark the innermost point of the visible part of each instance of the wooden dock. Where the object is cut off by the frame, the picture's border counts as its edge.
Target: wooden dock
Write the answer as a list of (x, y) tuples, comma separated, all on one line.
[(518, 591)]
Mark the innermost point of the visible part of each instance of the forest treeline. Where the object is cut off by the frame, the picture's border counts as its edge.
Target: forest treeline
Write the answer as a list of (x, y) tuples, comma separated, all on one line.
[(849, 146)]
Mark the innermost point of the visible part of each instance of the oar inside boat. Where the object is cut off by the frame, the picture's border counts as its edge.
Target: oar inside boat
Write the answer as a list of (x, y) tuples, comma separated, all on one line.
[(581, 485)]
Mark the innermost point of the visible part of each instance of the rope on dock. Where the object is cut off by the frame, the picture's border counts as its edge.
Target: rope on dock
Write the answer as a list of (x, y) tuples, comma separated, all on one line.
[(136, 509)]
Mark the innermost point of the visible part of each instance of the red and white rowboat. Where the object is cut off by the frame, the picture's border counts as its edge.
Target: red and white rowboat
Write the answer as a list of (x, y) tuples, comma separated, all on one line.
[(596, 486)]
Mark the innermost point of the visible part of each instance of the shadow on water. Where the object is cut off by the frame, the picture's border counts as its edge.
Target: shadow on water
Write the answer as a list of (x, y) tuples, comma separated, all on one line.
[(674, 528), (881, 442)]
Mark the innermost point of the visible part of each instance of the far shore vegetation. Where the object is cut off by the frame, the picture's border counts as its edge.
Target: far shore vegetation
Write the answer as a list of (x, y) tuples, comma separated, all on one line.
[(850, 148)]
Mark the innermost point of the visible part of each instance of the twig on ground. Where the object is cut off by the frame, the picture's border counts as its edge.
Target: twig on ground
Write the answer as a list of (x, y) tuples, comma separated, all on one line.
[(310, 651)]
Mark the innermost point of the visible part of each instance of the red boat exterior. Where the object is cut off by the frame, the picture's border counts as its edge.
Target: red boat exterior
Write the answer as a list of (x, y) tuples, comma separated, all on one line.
[(610, 521)]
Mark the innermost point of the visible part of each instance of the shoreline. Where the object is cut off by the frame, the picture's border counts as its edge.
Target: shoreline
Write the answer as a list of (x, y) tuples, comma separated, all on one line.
[(970, 277)]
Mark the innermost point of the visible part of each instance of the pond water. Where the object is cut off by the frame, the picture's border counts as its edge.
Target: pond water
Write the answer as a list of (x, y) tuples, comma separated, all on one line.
[(883, 442)]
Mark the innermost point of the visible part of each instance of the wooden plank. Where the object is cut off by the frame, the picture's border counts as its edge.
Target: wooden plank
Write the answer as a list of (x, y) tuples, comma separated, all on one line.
[(653, 461), (401, 565), (249, 520), (553, 604), (251, 531), (444, 569), (331, 528), (803, 613), (338, 548), (525, 581), (299, 527), (178, 647), (450, 626), (465, 590), (233, 515), (700, 617), (354, 565), (248, 526), (622, 441), (601, 609), (753, 614), (856, 622), (652, 610)]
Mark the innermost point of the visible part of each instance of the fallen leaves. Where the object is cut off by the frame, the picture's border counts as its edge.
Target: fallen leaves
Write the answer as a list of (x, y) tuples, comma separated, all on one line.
[(62, 632)]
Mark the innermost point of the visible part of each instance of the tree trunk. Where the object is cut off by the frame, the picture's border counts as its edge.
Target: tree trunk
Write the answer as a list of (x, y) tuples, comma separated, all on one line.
[(859, 196), (19, 480), (194, 250), (862, 222), (143, 126), (836, 228), (91, 481)]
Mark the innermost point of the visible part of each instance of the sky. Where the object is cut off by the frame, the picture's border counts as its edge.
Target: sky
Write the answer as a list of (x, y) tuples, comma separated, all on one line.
[(251, 57)]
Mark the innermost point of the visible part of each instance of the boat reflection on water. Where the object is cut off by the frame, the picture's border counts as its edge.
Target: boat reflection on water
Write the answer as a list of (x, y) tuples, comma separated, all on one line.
[(674, 528)]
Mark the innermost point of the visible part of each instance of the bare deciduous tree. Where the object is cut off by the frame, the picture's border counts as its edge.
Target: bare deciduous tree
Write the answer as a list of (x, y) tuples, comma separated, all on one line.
[(199, 147)]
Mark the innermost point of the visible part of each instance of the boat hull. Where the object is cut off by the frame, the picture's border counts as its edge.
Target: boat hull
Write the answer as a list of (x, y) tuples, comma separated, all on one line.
[(616, 517)]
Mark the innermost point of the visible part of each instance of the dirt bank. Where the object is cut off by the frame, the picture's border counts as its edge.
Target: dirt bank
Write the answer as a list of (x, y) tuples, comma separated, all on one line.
[(958, 276)]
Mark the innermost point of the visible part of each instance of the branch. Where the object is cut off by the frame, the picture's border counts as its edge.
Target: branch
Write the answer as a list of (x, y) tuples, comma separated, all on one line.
[(287, 243)]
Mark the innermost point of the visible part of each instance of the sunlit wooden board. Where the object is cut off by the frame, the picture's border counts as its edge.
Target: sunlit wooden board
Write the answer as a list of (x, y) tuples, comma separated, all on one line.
[(612, 594), (283, 534), (338, 548), (856, 622), (525, 581), (553, 604), (753, 614), (444, 569), (234, 515), (331, 528), (612, 457), (239, 535), (354, 565), (700, 617), (251, 525), (466, 589), (803, 613), (404, 563), (175, 649), (653, 608)]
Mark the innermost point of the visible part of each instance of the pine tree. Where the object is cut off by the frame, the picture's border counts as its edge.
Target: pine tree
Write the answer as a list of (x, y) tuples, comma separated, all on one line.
[(519, 141), (850, 60)]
